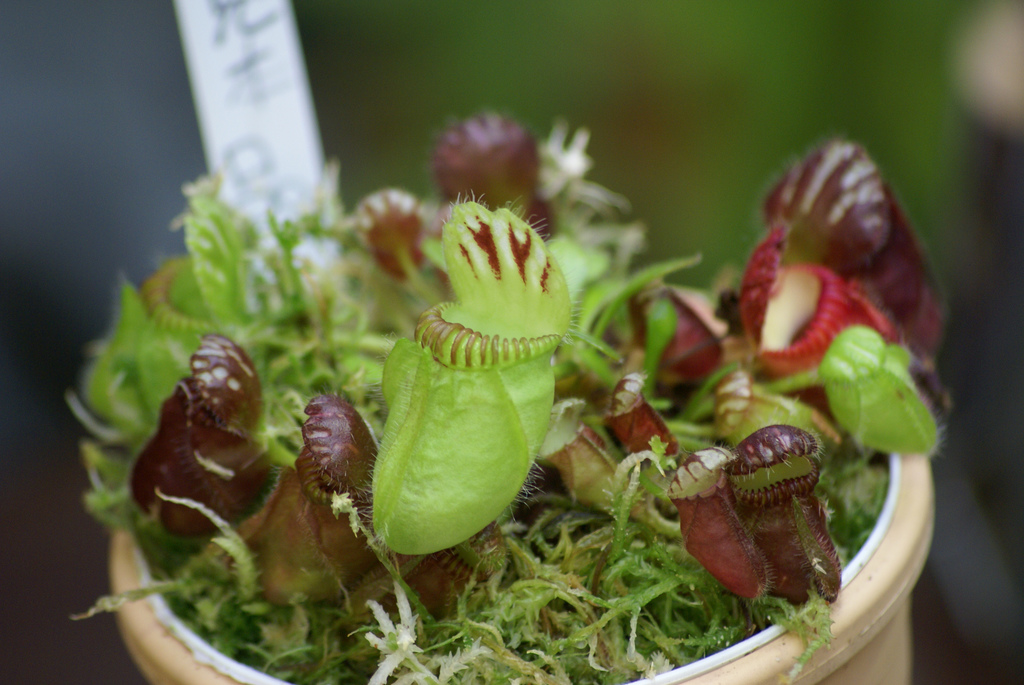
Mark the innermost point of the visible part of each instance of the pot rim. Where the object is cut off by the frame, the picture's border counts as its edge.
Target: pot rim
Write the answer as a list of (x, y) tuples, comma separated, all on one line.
[(907, 513)]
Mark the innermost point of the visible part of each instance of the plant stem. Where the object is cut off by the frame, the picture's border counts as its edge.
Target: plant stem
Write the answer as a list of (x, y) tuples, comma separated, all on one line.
[(278, 454), (414, 279), (794, 383), (635, 285), (702, 402), (689, 428)]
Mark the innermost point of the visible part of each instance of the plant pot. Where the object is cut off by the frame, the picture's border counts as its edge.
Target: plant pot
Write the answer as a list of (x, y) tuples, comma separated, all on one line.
[(872, 632)]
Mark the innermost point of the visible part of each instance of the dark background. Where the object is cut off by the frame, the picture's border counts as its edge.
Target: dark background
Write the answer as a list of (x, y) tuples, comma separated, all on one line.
[(693, 108)]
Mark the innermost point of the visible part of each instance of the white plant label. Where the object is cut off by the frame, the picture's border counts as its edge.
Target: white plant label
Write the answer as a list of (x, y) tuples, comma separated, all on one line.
[(253, 102)]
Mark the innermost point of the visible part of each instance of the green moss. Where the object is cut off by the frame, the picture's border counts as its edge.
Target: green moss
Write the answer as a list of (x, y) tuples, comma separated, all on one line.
[(569, 606)]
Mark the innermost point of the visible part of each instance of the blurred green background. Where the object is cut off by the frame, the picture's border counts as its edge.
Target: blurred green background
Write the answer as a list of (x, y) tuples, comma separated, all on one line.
[(693, 106)]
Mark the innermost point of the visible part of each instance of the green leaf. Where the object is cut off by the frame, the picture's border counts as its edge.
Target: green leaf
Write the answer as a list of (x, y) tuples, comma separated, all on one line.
[(163, 360), (872, 395), (112, 383), (662, 322), (213, 239), (185, 296)]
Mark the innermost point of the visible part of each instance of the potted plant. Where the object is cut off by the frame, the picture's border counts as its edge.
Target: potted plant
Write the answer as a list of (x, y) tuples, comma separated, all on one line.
[(450, 440)]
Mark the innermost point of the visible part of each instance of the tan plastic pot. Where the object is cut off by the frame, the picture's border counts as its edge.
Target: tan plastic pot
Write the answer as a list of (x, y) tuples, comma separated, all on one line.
[(872, 635)]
